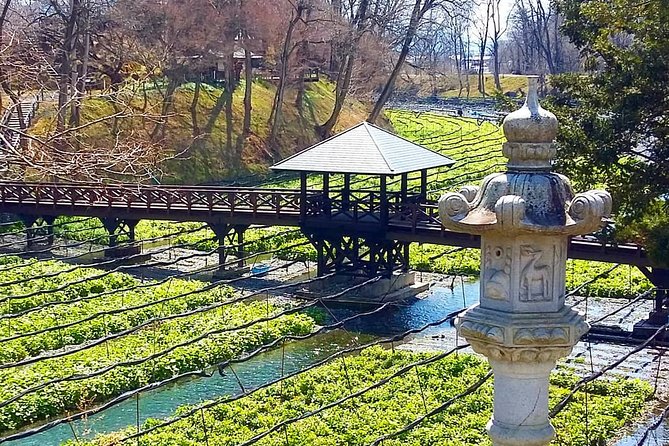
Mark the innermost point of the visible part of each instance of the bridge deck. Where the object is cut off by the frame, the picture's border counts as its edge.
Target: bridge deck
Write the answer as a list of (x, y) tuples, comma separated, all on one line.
[(407, 221)]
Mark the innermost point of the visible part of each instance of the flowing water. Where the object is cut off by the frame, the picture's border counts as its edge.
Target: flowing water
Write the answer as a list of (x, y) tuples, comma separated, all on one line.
[(657, 437), (162, 402)]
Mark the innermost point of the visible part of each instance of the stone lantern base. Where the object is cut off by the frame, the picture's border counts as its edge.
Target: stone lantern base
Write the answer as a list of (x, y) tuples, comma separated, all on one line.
[(527, 337), (522, 350)]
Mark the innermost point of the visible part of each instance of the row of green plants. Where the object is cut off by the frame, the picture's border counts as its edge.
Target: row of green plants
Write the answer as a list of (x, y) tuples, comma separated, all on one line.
[(611, 404), (625, 281), (83, 320), (153, 338), (62, 282)]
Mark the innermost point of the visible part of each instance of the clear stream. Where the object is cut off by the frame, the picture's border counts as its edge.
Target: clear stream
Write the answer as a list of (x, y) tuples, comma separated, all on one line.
[(162, 403)]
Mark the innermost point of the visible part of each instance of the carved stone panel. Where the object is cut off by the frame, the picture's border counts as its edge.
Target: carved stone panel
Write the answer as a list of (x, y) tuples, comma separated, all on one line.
[(497, 272), (536, 275)]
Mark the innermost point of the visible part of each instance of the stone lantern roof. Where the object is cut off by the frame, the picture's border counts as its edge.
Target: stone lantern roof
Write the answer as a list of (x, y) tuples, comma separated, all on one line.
[(527, 198)]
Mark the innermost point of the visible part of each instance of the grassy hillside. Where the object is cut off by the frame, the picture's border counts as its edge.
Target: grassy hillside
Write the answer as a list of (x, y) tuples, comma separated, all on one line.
[(204, 156)]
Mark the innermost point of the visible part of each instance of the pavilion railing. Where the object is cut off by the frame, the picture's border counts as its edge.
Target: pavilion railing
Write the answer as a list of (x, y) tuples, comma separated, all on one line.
[(356, 206)]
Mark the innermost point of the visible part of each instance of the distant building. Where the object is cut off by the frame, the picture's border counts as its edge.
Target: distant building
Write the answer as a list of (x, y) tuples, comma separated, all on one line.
[(472, 64)]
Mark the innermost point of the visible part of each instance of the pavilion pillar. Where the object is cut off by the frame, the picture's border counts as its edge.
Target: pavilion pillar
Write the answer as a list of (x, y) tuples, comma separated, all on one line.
[(346, 193), (303, 195), (423, 184), (404, 186), (327, 209), (383, 199), (659, 316), (525, 219)]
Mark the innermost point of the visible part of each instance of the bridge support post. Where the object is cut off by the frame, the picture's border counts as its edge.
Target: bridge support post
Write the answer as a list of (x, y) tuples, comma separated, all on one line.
[(660, 314), (525, 219), (122, 241), (39, 230), (230, 241), (358, 256)]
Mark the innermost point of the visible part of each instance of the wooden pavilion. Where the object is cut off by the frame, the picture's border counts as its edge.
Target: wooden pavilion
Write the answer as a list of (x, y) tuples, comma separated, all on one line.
[(332, 200)]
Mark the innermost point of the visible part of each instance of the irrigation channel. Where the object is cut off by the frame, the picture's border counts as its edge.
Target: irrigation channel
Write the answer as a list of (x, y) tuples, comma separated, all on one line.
[(429, 307)]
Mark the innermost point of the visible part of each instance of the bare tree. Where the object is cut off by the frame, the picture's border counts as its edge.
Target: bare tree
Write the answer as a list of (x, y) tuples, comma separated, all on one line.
[(296, 16), (499, 27), (346, 64), (418, 12), (482, 31), (535, 43)]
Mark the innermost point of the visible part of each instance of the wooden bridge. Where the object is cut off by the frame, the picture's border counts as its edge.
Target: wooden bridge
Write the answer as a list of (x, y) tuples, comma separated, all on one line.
[(394, 216)]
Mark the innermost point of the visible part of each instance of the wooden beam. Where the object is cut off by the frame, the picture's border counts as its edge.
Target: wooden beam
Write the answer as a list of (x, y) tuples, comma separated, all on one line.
[(404, 186), (326, 194), (346, 193), (303, 195)]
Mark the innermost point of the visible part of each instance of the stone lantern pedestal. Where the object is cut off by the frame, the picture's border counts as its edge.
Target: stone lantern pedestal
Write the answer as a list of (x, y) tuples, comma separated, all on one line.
[(525, 217)]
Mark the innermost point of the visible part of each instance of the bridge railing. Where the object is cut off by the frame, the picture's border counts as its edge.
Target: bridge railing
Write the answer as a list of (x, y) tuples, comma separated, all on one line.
[(357, 207), (165, 198), (414, 213)]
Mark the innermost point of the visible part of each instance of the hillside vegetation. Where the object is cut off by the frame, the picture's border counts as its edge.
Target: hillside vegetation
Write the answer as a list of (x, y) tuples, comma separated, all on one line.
[(196, 135)]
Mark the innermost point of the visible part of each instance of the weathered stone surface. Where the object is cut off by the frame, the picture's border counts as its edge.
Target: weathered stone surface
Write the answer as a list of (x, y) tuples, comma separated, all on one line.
[(531, 124), (525, 217)]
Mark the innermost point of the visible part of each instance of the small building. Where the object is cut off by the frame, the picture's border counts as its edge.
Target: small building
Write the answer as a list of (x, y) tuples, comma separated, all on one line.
[(217, 72)]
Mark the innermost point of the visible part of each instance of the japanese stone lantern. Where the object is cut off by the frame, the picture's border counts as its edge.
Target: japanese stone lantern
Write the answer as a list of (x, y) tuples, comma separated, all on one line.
[(525, 217)]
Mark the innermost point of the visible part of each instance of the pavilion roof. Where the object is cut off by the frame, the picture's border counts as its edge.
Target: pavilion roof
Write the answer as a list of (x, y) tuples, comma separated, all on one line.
[(364, 149)]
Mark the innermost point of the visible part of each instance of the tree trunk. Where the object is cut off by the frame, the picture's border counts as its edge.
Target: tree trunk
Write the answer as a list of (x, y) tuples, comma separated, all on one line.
[(248, 90), (303, 58), (496, 64), (416, 16), (345, 72), (277, 106), (343, 84), (482, 47), (230, 86), (299, 98), (193, 109), (467, 67), (335, 54), (459, 54), (248, 84), (497, 32), (158, 132), (67, 56), (82, 69), (3, 75)]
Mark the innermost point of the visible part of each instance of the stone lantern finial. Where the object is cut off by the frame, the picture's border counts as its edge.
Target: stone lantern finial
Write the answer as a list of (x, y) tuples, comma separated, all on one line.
[(530, 134), (525, 217)]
